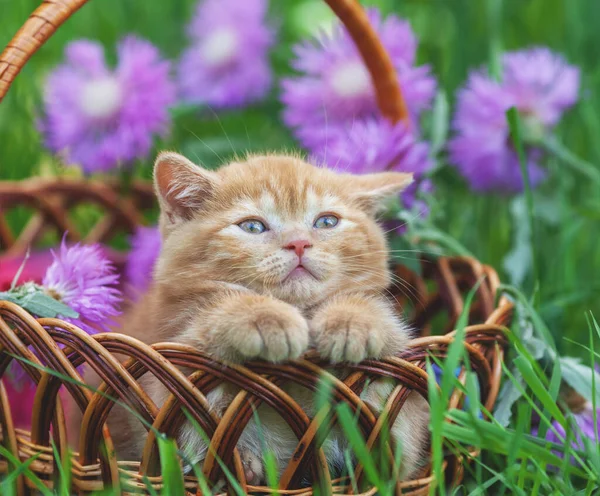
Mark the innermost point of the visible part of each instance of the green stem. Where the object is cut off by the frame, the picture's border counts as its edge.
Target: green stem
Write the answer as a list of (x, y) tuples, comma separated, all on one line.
[(515, 132), (556, 148)]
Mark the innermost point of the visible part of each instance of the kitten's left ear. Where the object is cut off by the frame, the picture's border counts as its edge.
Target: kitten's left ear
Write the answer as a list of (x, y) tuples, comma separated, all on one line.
[(371, 190), (181, 186)]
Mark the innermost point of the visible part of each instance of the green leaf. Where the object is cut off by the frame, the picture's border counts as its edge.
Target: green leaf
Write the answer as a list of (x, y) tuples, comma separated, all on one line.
[(436, 421), (212, 151), (539, 390), (580, 377), (350, 468), (494, 18), (269, 458), (149, 487), (43, 305), (7, 296), (184, 109), (509, 394), (538, 324), (237, 488)]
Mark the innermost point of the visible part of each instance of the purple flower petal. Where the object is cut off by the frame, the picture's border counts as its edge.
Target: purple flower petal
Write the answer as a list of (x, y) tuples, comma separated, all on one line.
[(334, 87), (101, 118), (374, 145), (145, 248), (585, 426), (541, 86), (227, 63), (84, 279)]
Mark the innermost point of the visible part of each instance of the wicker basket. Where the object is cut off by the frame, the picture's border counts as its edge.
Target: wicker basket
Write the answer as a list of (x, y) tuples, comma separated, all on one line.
[(436, 299)]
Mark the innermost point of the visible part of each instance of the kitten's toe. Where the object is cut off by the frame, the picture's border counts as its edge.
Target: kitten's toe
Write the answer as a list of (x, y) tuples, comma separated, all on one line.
[(284, 336), (253, 469), (344, 334), (342, 337), (251, 345)]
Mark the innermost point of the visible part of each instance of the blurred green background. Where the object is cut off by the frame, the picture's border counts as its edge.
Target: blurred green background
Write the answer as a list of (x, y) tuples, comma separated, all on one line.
[(455, 36)]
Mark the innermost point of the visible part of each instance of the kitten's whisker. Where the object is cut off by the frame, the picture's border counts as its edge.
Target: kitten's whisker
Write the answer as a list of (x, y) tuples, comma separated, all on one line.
[(359, 281), (247, 134), (397, 282), (326, 132), (394, 252), (416, 215), (223, 129), (205, 144)]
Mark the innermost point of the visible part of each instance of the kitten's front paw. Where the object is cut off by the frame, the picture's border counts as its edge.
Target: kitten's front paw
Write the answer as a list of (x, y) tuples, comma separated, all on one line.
[(262, 328), (351, 332)]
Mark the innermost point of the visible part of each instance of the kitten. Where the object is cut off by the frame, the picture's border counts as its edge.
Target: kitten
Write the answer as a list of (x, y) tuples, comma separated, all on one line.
[(262, 259)]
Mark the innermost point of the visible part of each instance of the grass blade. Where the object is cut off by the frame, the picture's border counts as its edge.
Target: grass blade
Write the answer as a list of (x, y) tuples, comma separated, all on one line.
[(21, 468), (359, 446), (170, 467)]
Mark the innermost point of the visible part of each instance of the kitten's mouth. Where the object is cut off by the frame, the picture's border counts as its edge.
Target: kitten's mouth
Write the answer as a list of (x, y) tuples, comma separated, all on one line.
[(299, 272)]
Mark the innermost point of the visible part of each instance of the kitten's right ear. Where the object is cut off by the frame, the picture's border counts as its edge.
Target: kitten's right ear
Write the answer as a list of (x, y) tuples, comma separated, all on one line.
[(181, 186)]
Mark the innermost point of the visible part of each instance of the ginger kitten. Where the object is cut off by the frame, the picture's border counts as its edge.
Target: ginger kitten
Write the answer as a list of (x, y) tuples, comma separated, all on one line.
[(264, 259)]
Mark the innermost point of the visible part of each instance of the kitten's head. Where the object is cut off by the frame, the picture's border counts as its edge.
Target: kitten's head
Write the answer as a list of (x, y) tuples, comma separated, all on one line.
[(274, 224)]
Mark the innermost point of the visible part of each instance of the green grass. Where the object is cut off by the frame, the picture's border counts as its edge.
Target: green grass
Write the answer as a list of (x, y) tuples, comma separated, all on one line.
[(513, 460), (554, 229)]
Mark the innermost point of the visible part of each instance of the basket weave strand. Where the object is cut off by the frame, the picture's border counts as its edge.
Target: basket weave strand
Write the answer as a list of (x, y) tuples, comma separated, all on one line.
[(40, 26)]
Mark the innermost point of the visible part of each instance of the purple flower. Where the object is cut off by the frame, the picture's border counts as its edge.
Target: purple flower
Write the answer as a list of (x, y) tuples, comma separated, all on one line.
[(334, 88), (102, 118), (227, 63), (541, 85), (83, 278), (145, 248), (585, 426), (412, 197), (375, 145)]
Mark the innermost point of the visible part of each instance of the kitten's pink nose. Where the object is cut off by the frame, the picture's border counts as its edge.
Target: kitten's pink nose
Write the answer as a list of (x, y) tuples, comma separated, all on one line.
[(298, 246)]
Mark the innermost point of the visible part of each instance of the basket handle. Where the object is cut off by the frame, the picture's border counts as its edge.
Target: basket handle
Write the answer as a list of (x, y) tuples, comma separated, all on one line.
[(50, 15)]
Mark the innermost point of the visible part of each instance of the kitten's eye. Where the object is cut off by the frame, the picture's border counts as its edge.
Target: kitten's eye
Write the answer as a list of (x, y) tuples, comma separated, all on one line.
[(253, 226), (326, 221)]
